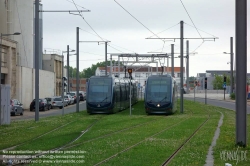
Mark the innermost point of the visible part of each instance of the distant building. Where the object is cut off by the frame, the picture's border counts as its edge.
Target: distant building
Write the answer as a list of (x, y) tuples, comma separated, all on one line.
[(140, 73), (53, 63), (82, 85)]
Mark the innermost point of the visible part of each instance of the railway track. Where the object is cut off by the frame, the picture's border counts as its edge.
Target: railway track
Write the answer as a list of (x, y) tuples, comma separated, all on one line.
[(31, 157), (66, 146), (183, 144), (13, 147), (109, 134), (138, 143)]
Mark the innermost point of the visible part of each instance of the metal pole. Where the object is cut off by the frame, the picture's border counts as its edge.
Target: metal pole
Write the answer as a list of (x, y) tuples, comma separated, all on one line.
[(37, 60), (130, 96), (77, 69), (194, 93), (224, 92), (231, 64), (62, 85), (1, 80), (187, 66), (119, 66), (125, 71), (68, 68), (106, 58), (241, 72), (172, 60), (205, 96), (181, 86), (111, 67), (168, 65)]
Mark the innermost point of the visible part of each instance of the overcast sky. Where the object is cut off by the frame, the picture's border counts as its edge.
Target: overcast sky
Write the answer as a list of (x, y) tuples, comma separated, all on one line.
[(107, 19)]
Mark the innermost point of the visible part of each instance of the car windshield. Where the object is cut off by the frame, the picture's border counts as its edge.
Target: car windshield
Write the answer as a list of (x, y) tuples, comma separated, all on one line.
[(158, 90), (99, 90), (71, 94), (57, 99), (35, 100)]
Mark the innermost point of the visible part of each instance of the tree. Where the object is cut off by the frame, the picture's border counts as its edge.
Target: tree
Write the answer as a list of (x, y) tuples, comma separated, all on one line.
[(218, 81), (87, 73)]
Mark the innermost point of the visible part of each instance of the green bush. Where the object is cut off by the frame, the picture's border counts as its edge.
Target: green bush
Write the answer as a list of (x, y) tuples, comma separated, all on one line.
[(232, 96)]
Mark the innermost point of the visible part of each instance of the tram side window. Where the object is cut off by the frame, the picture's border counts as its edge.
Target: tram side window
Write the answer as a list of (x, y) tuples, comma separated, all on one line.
[(125, 92), (117, 93), (123, 96)]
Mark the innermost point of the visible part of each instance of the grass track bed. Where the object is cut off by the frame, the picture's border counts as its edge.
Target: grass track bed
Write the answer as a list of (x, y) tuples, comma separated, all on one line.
[(138, 128), (102, 149), (51, 141), (162, 145)]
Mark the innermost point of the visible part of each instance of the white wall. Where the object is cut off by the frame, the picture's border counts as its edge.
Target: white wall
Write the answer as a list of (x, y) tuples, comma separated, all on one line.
[(22, 16), (26, 85)]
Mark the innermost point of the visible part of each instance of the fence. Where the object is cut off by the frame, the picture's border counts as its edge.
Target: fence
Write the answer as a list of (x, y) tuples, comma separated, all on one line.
[(5, 104)]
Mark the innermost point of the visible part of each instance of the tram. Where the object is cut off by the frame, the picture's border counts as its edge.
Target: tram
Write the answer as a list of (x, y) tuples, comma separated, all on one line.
[(106, 94), (160, 95)]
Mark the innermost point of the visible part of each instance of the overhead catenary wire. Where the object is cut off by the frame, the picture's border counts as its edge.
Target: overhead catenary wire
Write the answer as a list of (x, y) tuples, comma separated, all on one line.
[(86, 21), (200, 30), (164, 30), (76, 4), (190, 18), (136, 19), (107, 40)]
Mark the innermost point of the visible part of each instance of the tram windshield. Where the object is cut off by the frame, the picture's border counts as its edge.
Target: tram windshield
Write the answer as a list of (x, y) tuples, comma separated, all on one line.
[(158, 90), (99, 90)]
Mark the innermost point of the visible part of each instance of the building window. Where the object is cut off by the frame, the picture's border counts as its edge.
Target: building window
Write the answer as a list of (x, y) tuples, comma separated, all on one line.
[(137, 75), (178, 74), (148, 74)]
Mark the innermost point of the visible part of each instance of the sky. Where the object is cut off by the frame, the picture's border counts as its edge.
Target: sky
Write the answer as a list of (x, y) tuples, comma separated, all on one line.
[(127, 24)]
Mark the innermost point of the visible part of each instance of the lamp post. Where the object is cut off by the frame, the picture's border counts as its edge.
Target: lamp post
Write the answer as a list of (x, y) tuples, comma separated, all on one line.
[(16, 33), (231, 71), (68, 64), (64, 78)]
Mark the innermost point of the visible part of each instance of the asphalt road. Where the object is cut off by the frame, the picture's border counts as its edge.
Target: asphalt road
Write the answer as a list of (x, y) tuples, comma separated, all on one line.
[(52, 112), (218, 103)]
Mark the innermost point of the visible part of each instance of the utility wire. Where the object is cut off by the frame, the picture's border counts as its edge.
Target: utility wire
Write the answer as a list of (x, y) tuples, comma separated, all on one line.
[(201, 30), (136, 19), (91, 53), (86, 21), (115, 48), (123, 48), (198, 47), (76, 4), (107, 40), (190, 18), (164, 30)]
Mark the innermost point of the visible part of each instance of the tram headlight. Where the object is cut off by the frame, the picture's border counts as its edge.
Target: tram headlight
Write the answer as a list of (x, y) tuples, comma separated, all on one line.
[(158, 105)]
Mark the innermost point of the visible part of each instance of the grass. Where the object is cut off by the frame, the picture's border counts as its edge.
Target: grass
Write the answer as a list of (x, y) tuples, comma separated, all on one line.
[(156, 137)]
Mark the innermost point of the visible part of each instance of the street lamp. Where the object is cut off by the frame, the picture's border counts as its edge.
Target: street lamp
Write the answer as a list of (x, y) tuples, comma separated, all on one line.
[(64, 78), (16, 33), (68, 50), (231, 71)]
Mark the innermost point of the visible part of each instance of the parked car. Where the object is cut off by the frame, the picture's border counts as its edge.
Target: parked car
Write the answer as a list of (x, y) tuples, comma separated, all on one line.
[(73, 94), (56, 101), (82, 96), (66, 99), (49, 102), (16, 107), (70, 99), (43, 105)]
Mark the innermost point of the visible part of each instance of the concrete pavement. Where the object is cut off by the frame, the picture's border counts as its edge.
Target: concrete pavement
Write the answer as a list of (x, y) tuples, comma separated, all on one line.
[(215, 96)]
